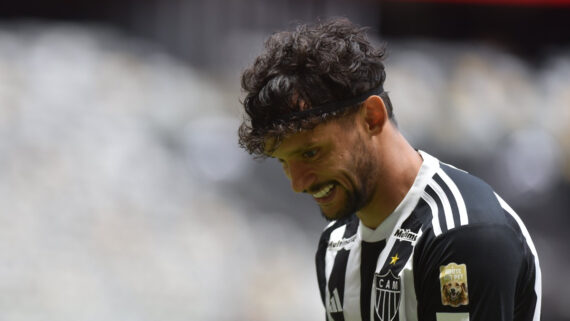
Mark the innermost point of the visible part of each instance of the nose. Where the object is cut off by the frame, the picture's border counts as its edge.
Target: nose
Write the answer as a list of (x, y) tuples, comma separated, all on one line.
[(301, 176)]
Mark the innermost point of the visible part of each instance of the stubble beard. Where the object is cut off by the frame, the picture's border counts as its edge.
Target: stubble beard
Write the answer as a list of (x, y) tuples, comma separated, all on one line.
[(362, 192)]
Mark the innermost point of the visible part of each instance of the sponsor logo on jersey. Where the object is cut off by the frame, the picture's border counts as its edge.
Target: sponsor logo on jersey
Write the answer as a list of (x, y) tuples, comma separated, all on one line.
[(406, 235), (387, 289), (342, 243), (453, 282)]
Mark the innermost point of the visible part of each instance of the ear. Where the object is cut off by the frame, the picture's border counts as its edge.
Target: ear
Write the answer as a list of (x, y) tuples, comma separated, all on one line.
[(375, 114)]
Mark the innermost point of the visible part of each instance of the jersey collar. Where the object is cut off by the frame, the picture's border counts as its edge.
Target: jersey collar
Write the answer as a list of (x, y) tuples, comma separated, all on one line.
[(429, 167)]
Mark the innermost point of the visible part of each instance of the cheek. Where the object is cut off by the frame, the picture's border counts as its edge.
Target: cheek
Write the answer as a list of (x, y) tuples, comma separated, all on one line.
[(285, 168)]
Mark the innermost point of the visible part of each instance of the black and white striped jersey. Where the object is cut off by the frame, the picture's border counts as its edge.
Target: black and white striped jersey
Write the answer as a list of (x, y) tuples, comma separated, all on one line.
[(452, 250)]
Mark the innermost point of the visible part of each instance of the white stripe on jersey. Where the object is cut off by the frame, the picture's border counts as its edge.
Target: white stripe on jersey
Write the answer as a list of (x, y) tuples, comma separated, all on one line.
[(538, 275), (330, 224), (434, 213), (352, 283), (409, 302), (445, 202), (463, 219), (336, 236)]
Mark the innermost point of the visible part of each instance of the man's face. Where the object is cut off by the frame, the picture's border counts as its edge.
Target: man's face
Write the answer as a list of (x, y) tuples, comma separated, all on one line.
[(332, 163)]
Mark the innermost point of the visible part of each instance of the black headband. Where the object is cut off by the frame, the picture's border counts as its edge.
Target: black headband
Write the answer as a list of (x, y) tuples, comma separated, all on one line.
[(330, 107)]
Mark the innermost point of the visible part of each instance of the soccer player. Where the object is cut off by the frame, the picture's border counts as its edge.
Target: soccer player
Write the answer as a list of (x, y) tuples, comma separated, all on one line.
[(410, 237)]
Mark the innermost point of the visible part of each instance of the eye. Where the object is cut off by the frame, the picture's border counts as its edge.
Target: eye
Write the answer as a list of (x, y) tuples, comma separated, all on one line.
[(308, 154)]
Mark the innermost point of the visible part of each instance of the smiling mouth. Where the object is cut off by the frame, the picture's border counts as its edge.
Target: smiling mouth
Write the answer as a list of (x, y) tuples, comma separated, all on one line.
[(324, 192)]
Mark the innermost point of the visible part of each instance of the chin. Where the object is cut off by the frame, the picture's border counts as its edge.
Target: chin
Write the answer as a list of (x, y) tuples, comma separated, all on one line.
[(342, 208), (335, 215)]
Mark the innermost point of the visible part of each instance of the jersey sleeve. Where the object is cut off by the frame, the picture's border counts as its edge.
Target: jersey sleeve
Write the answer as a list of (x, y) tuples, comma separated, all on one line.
[(472, 273)]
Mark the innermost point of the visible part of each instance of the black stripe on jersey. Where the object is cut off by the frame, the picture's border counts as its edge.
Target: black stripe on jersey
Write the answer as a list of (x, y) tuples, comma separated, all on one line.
[(425, 215), (403, 249), (415, 221), (451, 198), (337, 277), (369, 259), (440, 209)]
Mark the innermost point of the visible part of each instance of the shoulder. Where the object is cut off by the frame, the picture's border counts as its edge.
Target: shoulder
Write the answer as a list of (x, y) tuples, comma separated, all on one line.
[(481, 245), (472, 236), (454, 198), (458, 206), (467, 221)]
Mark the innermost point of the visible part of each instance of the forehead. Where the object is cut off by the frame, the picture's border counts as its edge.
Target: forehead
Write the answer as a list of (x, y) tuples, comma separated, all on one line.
[(297, 142)]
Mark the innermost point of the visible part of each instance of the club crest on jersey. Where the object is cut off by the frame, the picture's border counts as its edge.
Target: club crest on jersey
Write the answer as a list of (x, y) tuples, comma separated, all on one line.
[(387, 289), (453, 282)]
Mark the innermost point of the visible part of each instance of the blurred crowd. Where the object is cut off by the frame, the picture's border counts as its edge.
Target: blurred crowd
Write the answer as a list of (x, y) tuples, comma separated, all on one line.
[(124, 195)]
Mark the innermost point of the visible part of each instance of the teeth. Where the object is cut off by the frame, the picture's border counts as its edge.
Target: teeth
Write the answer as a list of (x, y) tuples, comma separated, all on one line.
[(323, 192)]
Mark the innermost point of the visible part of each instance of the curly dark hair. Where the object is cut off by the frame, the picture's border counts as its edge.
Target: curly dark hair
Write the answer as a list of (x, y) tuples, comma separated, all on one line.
[(314, 65)]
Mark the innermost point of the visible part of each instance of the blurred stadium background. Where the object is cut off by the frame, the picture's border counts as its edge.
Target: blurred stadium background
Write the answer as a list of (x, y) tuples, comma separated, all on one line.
[(124, 196)]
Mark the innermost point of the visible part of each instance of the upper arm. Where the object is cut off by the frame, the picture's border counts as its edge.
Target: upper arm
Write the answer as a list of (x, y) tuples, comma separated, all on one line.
[(472, 269)]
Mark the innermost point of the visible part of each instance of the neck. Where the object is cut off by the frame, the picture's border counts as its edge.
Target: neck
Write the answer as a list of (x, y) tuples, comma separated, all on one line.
[(398, 165)]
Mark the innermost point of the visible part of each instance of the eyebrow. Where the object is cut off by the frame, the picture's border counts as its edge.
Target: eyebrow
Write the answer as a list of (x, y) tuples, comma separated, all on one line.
[(298, 150)]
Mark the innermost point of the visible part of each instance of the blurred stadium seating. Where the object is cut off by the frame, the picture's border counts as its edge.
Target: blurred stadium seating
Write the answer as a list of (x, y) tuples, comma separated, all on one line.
[(124, 196)]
